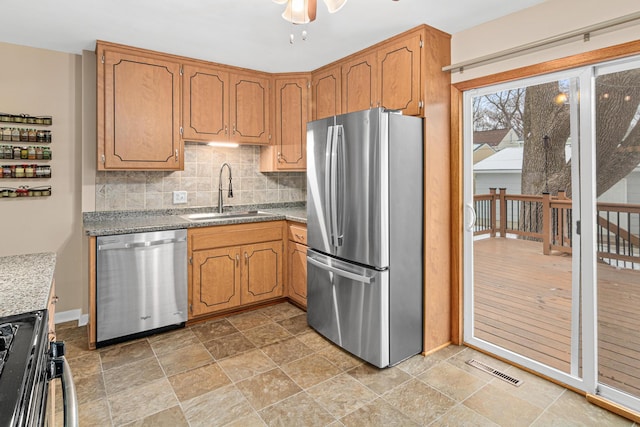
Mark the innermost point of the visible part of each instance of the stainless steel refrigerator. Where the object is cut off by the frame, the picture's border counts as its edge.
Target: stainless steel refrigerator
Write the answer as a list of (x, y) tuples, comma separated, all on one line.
[(365, 235)]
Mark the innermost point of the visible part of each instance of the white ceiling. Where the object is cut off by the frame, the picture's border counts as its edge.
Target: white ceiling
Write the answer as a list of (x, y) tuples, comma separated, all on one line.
[(245, 33)]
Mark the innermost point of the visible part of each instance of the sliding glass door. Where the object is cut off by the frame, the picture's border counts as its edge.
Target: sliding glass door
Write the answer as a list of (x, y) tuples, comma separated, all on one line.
[(522, 298), (617, 226)]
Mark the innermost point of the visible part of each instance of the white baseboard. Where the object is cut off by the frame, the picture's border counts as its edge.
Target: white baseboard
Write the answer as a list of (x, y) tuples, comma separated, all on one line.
[(71, 315)]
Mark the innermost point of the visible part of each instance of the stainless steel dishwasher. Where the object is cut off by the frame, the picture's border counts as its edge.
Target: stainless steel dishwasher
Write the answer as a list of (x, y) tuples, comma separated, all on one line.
[(141, 284)]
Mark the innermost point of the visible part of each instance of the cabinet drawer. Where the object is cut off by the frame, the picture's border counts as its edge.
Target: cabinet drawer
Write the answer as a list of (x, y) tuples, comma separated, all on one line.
[(298, 234), (235, 235)]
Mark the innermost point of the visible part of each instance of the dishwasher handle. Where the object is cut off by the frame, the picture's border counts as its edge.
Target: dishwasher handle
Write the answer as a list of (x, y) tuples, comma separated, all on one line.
[(131, 245)]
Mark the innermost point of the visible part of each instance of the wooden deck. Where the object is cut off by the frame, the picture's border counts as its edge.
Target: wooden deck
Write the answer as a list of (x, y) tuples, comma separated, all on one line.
[(523, 303)]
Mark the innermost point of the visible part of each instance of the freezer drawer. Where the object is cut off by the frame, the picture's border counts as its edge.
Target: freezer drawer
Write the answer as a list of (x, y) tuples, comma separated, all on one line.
[(350, 306), (141, 283)]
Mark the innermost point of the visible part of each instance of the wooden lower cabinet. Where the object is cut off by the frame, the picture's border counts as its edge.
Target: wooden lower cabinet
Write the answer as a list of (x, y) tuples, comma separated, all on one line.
[(297, 277), (297, 263), (232, 266), (216, 280)]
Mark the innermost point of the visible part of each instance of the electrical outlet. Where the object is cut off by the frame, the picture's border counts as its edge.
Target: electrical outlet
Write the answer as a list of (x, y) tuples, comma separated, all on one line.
[(179, 197)]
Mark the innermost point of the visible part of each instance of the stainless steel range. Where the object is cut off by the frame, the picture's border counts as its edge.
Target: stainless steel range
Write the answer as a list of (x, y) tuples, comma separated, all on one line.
[(28, 362)]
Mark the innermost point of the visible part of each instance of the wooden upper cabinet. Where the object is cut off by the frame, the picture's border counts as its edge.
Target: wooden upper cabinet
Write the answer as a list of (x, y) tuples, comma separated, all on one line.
[(359, 83), (250, 118), (399, 75), (291, 111), (138, 104), (205, 104), (326, 88)]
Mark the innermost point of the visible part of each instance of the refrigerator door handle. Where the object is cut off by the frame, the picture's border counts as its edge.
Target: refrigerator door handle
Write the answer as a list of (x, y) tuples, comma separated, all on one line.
[(327, 181), (339, 272), (339, 206), (333, 188)]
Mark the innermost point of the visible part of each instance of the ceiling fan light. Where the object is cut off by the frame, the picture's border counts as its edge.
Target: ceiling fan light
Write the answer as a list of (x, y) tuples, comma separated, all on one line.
[(300, 11), (334, 5)]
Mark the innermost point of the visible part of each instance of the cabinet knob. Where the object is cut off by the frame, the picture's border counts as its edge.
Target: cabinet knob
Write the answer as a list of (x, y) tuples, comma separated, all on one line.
[(226, 129), (176, 154), (237, 260), (55, 299)]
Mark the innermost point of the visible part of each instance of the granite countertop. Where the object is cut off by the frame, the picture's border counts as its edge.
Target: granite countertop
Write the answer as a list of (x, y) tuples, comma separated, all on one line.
[(123, 222), (25, 282)]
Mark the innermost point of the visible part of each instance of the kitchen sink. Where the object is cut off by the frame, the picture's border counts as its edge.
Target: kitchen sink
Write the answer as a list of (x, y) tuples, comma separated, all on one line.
[(212, 216)]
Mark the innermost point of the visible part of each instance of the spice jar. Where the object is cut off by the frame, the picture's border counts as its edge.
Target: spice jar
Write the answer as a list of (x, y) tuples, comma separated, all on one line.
[(46, 171), (8, 152), (31, 153), (40, 136), (6, 134), (46, 153), (19, 171), (24, 135), (16, 152), (15, 135), (24, 153), (32, 135), (39, 153), (6, 171), (30, 171)]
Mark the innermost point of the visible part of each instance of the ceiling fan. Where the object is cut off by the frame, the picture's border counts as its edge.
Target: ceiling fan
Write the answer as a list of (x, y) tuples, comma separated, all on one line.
[(304, 11)]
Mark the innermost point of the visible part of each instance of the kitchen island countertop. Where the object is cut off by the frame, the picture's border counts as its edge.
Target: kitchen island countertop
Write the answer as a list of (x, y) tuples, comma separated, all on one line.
[(25, 282), (124, 222)]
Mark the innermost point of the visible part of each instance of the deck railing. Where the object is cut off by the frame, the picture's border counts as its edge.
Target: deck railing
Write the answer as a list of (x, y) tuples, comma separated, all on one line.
[(548, 219)]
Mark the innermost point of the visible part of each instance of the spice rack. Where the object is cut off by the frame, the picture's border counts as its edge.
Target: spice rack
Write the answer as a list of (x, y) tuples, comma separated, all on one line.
[(23, 148), (26, 119), (25, 191)]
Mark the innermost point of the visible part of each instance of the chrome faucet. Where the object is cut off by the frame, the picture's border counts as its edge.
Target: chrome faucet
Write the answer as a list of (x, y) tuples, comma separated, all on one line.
[(230, 194)]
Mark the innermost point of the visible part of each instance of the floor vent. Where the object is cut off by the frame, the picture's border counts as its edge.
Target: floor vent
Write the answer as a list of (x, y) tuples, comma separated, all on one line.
[(504, 377)]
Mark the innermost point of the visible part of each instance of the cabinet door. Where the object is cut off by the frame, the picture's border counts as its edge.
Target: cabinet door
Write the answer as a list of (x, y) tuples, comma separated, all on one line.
[(205, 104), (297, 279), (215, 280), (291, 123), (399, 75), (262, 271), (326, 88), (359, 84), (141, 108), (250, 109)]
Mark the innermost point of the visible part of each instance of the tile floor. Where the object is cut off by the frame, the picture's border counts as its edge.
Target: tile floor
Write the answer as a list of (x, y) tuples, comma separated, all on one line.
[(267, 367)]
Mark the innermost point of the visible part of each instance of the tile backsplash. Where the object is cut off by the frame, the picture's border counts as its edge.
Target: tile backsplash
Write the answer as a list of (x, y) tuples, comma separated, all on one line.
[(126, 190)]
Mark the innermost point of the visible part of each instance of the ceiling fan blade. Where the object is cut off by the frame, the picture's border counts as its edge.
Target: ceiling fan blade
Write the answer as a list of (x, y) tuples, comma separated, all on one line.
[(334, 5)]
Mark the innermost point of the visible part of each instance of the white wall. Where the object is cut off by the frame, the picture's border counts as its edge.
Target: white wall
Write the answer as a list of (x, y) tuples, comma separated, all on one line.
[(43, 82), (550, 18)]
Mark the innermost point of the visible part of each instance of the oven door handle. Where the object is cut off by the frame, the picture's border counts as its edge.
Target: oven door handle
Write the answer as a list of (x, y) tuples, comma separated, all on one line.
[(69, 396)]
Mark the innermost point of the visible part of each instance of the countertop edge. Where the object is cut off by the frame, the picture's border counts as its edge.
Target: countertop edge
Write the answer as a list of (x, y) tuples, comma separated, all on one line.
[(160, 222)]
